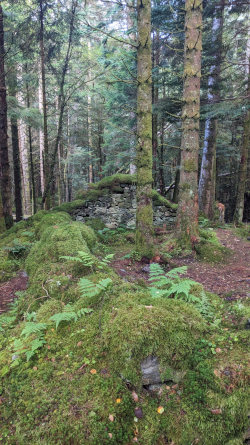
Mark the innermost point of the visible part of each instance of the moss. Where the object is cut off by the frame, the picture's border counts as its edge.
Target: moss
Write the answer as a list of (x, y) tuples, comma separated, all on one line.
[(69, 206), (209, 248), (66, 392), (115, 180), (160, 200), (8, 266), (190, 165), (135, 332), (48, 220), (95, 223)]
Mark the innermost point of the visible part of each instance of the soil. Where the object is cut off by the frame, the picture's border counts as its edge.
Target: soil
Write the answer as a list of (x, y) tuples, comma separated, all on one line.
[(9, 289), (230, 280)]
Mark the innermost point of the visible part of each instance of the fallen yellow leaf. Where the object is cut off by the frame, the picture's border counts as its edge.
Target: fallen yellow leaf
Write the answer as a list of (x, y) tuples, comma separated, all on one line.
[(160, 410)]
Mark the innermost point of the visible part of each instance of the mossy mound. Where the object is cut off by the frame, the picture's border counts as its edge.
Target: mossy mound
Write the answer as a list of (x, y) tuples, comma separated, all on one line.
[(79, 386), (135, 331), (48, 271), (209, 248)]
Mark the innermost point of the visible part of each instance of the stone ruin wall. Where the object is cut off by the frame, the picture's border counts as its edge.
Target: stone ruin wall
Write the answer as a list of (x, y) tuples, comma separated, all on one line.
[(119, 208)]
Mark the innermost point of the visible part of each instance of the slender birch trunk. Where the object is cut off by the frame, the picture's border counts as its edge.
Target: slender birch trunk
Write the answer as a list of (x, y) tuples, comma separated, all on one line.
[(24, 158), (208, 165), (144, 212), (187, 215)]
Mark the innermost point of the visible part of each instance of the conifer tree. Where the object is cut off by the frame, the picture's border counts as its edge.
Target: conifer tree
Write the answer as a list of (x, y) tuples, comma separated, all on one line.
[(5, 180), (187, 215), (208, 165), (144, 212)]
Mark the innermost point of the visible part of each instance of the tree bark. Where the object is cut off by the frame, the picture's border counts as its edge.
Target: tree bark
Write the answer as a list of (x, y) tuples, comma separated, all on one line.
[(155, 95), (242, 176), (208, 165), (187, 214), (5, 179), (2, 220), (46, 200), (62, 105), (31, 163), (12, 81), (41, 133), (144, 212)]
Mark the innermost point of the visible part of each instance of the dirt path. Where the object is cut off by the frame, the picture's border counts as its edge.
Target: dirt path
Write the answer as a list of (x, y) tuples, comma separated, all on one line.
[(231, 280), (9, 288)]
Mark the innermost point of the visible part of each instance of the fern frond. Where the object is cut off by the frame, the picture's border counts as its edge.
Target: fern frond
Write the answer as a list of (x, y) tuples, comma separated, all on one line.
[(174, 273), (33, 328), (87, 288), (35, 345), (155, 271), (63, 316), (71, 258), (104, 284)]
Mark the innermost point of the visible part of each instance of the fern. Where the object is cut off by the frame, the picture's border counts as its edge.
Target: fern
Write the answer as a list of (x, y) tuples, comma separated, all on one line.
[(89, 261), (170, 284), (35, 345), (83, 257), (89, 289), (105, 261), (69, 314), (6, 321), (33, 328)]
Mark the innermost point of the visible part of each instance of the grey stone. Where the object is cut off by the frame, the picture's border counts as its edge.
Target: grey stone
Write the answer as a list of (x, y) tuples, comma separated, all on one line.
[(150, 371), (115, 209)]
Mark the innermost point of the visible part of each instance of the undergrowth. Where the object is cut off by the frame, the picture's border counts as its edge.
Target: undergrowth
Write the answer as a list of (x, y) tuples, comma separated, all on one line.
[(73, 343)]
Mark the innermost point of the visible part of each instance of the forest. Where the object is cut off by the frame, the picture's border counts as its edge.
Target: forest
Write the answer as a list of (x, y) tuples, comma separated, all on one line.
[(124, 222)]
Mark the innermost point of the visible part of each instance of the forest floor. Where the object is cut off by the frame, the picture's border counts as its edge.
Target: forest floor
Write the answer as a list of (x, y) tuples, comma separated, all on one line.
[(230, 279), (9, 288)]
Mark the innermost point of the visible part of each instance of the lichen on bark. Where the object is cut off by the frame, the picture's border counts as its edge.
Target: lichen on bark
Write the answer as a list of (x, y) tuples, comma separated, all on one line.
[(144, 213), (187, 215)]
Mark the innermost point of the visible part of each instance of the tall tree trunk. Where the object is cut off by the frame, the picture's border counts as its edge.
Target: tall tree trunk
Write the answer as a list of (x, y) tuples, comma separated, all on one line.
[(208, 165), (144, 211), (15, 151), (89, 119), (155, 91), (24, 158), (31, 163), (2, 220), (5, 179), (239, 208), (41, 134), (177, 180), (187, 215), (100, 143), (161, 159), (62, 104), (46, 200)]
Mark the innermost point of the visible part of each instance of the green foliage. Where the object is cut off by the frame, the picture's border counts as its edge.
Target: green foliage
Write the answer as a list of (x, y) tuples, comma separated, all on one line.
[(170, 284), (18, 249), (90, 289), (89, 261), (69, 314), (33, 328)]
